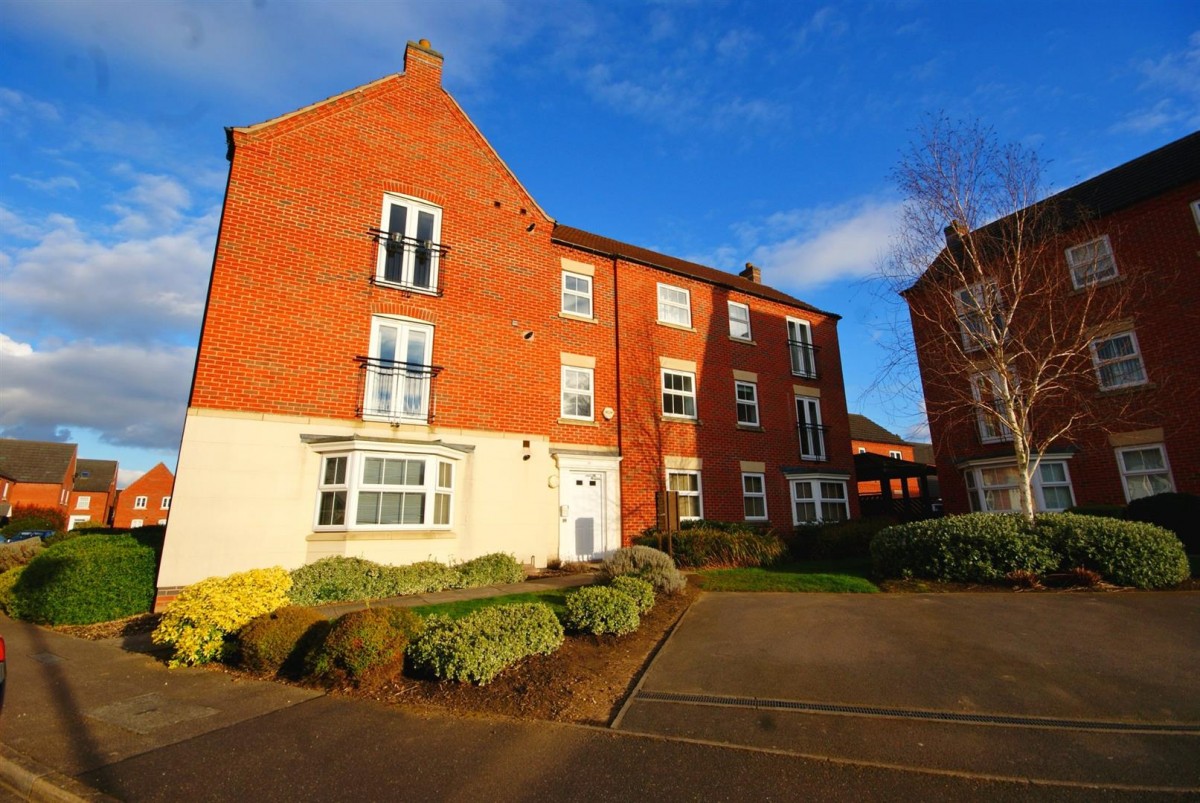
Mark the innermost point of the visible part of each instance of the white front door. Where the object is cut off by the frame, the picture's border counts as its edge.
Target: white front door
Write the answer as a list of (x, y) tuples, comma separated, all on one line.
[(582, 534)]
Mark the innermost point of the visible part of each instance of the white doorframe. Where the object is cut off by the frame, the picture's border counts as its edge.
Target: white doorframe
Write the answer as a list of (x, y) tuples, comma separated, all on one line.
[(607, 471)]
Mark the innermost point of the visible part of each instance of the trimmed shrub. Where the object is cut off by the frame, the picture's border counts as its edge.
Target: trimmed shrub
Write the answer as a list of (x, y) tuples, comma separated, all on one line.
[(34, 517), (649, 564), (837, 540), (480, 645), (366, 647), (92, 578), (705, 547), (495, 569), (1105, 511), (601, 610), (7, 580), (1179, 513), (278, 642), (975, 548), (636, 589), (1127, 553), (197, 624), (342, 579), (19, 553)]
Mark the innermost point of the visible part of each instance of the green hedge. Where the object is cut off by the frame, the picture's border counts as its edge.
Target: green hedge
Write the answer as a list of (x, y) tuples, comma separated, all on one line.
[(495, 569), (636, 589), (837, 540), (1179, 513), (601, 610), (93, 578), (724, 546), (477, 647), (986, 547), (343, 579)]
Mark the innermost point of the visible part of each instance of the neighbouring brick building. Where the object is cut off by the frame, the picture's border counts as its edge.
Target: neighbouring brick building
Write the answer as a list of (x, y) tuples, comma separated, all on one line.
[(1138, 232), (147, 500), (404, 357), (94, 492), (40, 473)]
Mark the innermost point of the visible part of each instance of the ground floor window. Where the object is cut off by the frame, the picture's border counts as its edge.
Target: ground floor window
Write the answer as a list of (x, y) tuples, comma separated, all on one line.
[(691, 502), (995, 489), (1144, 471), (818, 499), (377, 490), (754, 497)]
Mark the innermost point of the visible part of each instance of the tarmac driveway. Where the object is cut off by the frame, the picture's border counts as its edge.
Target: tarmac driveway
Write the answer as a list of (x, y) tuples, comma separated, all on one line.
[(1075, 688)]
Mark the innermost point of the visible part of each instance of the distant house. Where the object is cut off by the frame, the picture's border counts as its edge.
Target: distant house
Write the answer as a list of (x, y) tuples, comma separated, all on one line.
[(892, 480), (94, 494), (147, 500), (40, 473), (1135, 226)]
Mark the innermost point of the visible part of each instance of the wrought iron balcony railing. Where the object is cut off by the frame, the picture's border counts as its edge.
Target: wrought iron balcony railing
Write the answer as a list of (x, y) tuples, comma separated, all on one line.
[(410, 263), (397, 391), (804, 358), (812, 442)]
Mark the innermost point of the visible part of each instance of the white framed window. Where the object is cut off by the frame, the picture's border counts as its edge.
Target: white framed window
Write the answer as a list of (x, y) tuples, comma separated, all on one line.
[(410, 250), (63, 496), (975, 305), (746, 394), (133, 525), (674, 305), (139, 503), (679, 393), (800, 347), (1196, 213), (162, 522), (398, 375), (576, 294), (1091, 262), (165, 504), (754, 497), (83, 502), (818, 499), (862, 450), (1118, 361), (990, 412), (739, 321), (895, 454), (812, 433), (1144, 471), (366, 490), (691, 497), (994, 488), (577, 393)]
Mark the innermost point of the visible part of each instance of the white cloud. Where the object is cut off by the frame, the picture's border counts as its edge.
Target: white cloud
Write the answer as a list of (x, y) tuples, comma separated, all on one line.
[(49, 185), (1178, 76), (132, 396), (825, 22), (126, 476), (807, 248)]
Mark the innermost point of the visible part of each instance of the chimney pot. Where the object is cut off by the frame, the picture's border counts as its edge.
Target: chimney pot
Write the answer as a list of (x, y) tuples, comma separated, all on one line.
[(752, 272), (423, 62)]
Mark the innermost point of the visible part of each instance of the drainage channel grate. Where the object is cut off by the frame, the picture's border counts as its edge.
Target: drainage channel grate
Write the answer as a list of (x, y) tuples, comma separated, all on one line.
[(903, 713)]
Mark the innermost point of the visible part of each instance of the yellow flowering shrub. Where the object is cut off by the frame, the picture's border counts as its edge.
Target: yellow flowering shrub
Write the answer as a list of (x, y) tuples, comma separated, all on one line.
[(196, 623)]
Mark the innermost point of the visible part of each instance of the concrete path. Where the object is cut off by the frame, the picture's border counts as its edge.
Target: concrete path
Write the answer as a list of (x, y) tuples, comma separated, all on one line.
[(1072, 688)]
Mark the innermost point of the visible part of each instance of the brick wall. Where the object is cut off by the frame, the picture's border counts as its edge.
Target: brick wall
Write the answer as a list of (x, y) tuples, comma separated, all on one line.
[(155, 484)]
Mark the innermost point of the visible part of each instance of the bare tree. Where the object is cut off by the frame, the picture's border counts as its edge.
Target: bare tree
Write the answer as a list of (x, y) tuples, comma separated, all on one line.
[(1003, 328)]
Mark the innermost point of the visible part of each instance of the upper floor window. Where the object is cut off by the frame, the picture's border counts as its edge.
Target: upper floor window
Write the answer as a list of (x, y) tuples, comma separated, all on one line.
[(803, 353), (976, 306), (679, 393), (577, 294), (1118, 361), (577, 393), (165, 504), (1144, 471), (739, 321), (674, 305), (1196, 212), (747, 403), (139, 503), (991, 409), (1091, 262), (83, 503), (410, 249), (384, 490), (812, 432), (398, 374), (895, 454)]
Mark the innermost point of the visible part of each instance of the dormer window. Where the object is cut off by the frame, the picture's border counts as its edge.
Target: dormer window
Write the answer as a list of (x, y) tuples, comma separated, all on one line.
[(410, 251)]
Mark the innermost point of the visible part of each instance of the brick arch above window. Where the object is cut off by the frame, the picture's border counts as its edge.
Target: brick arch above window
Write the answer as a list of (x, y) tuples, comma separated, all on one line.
[(421, 193), (405, 309)]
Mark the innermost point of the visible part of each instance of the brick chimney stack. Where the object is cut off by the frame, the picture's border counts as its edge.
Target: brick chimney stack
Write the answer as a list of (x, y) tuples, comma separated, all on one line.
[(955, 233), (752, 272), (423, 63)]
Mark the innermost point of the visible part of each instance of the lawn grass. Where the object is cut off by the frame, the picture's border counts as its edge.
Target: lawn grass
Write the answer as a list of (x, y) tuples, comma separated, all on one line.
[(557, 600), (840, 576)]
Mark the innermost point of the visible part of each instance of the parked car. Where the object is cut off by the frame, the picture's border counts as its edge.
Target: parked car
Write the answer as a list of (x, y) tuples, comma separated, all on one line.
[(25, 535)]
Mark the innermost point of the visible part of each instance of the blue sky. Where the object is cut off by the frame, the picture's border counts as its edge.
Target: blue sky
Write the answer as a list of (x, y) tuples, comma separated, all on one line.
[(722, 132)]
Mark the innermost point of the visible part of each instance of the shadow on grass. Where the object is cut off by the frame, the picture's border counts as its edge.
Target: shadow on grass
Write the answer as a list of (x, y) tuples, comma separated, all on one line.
[(836, 576)]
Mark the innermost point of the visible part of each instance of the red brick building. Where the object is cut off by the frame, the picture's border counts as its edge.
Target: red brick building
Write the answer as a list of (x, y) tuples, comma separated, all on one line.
[(94, 492), (403, 357), (36, 473), (1140, 235), (147, 500)]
